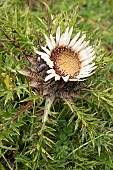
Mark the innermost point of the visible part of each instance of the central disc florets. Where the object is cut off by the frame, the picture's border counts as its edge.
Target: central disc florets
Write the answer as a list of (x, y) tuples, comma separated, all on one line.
[(66, 62)]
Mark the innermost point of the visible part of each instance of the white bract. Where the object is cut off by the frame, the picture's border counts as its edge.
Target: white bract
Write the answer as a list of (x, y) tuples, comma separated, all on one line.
[(68, 59)]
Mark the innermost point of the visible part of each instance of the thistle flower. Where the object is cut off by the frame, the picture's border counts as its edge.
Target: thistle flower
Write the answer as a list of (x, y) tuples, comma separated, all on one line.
[(68, 59), (59, 68)]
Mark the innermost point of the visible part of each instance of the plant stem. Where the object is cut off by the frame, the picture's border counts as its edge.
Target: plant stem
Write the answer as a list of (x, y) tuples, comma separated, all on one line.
[(48, 102)]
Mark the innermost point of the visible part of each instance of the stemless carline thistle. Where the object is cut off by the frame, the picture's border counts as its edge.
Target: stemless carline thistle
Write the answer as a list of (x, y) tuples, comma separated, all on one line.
[(69, 59)]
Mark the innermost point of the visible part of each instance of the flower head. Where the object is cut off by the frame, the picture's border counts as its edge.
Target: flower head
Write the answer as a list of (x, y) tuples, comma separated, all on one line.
[(69, 59)]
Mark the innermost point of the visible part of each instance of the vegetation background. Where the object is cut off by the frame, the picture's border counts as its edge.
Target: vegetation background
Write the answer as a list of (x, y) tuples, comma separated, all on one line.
[(78, 136)]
